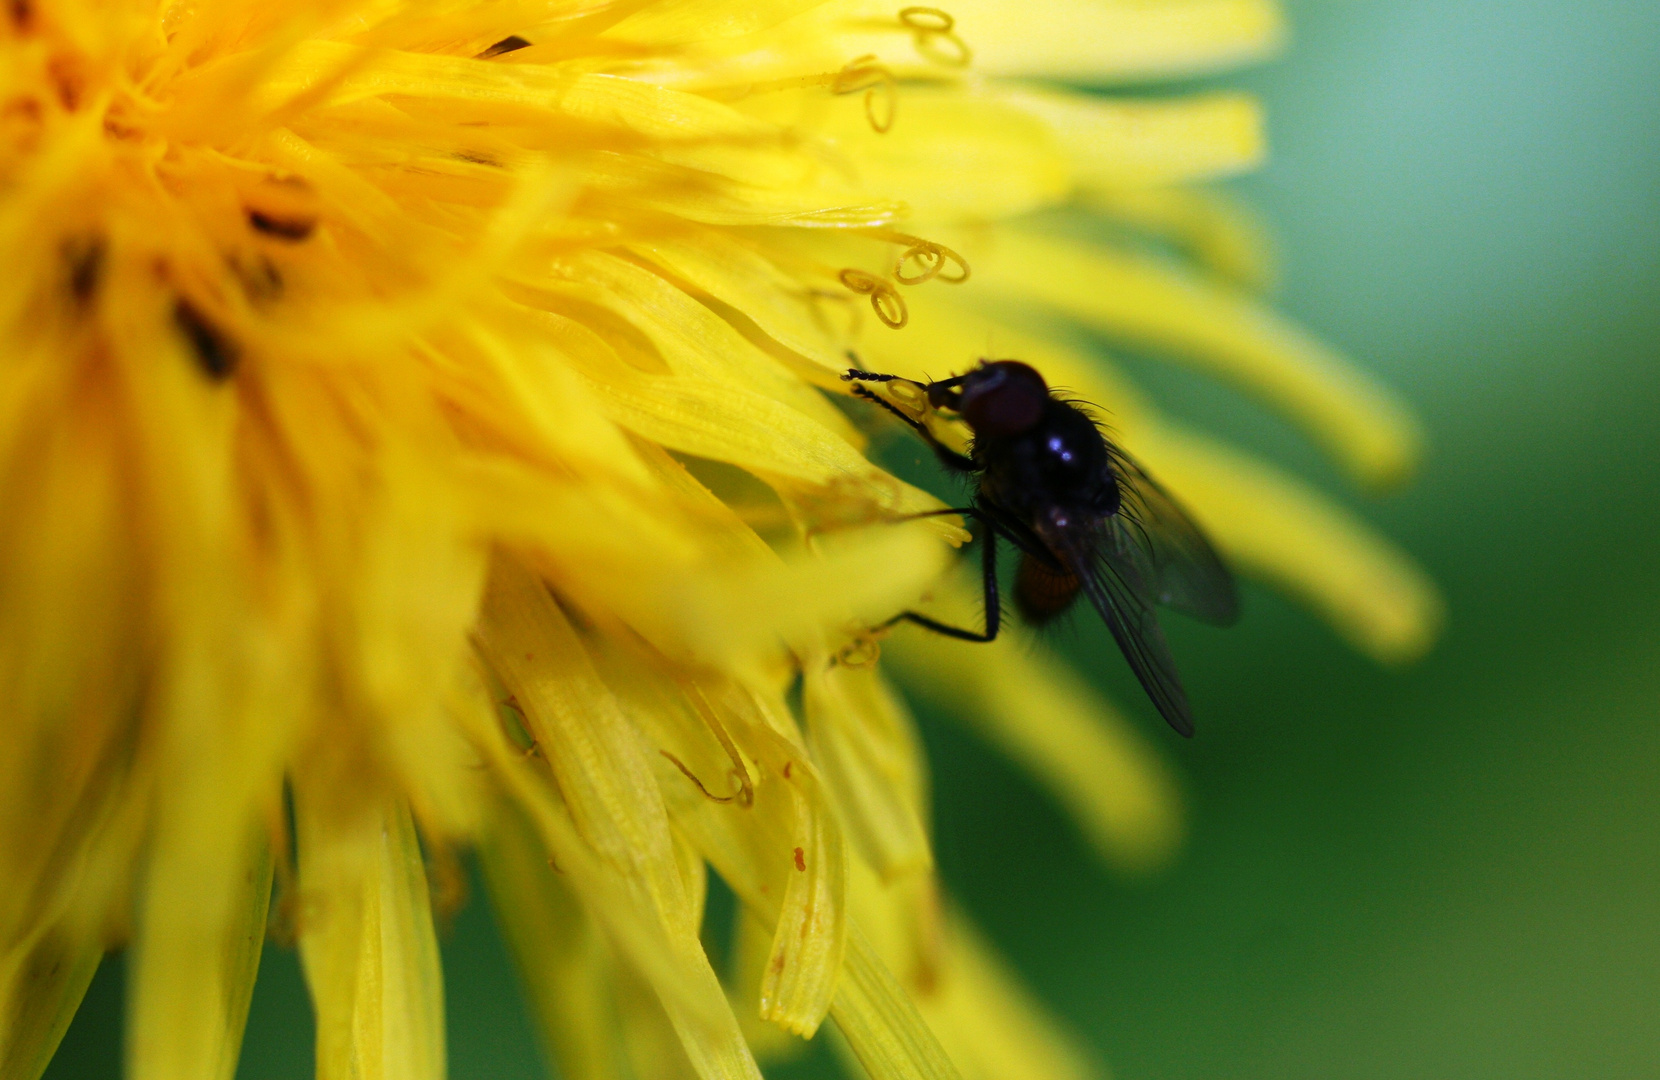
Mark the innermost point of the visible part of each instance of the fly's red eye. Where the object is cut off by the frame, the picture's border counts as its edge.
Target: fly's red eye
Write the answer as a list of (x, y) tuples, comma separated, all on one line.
[(1003, 398)]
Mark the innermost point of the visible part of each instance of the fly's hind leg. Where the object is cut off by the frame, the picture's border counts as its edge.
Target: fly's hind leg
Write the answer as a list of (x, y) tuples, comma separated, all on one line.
[(988, 567)]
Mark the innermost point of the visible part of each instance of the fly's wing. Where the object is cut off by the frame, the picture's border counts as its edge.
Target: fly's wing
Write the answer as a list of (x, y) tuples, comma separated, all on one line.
[(1168, 552), (1125, 602)]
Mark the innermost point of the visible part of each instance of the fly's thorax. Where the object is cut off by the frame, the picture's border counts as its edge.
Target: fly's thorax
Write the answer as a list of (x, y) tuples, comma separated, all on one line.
[(1062, 461)]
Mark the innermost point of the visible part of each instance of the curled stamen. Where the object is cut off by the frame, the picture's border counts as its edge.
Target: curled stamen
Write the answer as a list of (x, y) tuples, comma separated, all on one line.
[(932, 257), (884, 298), (864, 73), (743, 787), (745, 795), (862, 652), (930, 27)]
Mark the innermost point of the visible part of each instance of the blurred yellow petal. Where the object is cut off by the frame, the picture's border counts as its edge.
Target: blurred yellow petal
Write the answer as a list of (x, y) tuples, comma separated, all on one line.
[(706, 18), (1149, 303), (41, 988), (951, 155), (561, 957), (1094, 41), (1047, 719), (1274, 527), (1221, 232), (1116, 142), (648, 1037), (187, 1017), (759, 605), (864, 739), (994, 1027)]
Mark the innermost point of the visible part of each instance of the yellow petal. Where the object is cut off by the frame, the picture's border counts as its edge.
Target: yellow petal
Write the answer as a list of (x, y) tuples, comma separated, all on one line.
[(1145, 302), (1115, 41), (561, 955), (716, 262), (186, 1017), (880, 1022), (600, 762), (616, 903), (993, 1026), (1278, 529), (1116, 142), (555, 413), (367, 940), (648, 1036), (948, 154), (1222, 233), (691, 339), (865, 741), (598, 758), (764, 824), (705, 417), (462, 89), (42, 982), (699, 19), (675, 967), (752, 940), (1047, 719), (860, 578)]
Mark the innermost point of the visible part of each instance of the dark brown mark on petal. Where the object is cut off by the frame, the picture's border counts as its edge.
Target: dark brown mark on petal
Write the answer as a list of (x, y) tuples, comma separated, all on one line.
[(505, 45), (787, 765), (67, 81), (282, 226), (216, 353), (801, 860), (83, 256), (260, 278), (23, 14)]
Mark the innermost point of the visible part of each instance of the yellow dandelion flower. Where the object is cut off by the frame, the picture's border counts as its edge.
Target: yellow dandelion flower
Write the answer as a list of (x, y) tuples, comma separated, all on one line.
[(417, 434)]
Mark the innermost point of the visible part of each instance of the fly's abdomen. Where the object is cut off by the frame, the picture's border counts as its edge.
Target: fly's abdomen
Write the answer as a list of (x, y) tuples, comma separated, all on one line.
[(1042, 591)]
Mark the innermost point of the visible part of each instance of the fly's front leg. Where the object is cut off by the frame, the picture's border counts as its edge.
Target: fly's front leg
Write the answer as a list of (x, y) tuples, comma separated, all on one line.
[(948, 457)]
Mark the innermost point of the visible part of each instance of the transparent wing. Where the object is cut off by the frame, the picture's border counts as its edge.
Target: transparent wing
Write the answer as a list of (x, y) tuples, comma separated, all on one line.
[(1169, 554), (1125, 602)]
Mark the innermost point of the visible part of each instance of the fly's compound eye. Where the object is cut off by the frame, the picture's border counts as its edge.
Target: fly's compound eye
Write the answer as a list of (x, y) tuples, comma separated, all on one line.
[(1004, 398)]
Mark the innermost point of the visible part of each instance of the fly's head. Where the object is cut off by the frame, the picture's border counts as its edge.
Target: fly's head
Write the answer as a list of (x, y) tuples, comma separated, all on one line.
[(1000, 398)]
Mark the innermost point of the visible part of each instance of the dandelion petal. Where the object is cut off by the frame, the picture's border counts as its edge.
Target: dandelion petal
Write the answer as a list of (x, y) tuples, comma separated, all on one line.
[(367, 941)]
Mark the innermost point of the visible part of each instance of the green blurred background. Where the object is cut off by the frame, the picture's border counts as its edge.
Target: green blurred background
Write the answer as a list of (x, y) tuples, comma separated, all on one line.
[(1447, 871)]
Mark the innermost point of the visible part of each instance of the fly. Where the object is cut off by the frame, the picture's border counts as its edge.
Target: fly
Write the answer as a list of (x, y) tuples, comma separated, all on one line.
[(1084, 515)]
